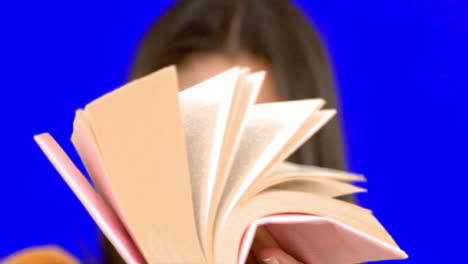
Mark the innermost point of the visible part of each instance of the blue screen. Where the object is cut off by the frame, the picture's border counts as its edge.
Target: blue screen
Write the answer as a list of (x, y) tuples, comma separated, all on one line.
[(402, 72)]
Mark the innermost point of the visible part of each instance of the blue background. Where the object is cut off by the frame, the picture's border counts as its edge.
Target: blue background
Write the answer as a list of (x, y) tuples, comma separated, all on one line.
[(402, 71)]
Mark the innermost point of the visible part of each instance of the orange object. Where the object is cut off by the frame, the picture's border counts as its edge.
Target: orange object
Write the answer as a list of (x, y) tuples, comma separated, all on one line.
[(41, 255)]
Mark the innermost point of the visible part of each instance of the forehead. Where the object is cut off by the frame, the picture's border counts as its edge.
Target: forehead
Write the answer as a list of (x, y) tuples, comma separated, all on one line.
[(200, 66)]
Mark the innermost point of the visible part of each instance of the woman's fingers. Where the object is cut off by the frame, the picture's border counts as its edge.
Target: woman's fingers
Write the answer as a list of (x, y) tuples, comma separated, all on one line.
[(263, 239), (276, 256), (266, 249)]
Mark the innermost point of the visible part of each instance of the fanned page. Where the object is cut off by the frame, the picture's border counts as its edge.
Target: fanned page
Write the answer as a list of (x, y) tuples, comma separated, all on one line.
[(307, 178), (291, 169), (269, 130), (246, 97), (212, 114), (329, 188), (205, 108), (142, 146)]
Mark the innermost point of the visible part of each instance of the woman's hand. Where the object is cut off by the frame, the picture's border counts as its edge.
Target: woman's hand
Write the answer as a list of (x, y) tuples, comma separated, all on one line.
[(266, 250)]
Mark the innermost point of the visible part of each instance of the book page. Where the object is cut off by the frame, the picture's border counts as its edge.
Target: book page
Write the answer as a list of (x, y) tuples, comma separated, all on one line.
[(269, 128), (213, 114), (206, 109), (245, 96), (366, 228), (317, 186), (308, 128), (141, 139), (286, 169), (292, 176), (85, 144)]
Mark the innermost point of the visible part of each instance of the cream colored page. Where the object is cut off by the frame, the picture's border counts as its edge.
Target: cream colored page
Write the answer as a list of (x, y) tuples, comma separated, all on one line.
[(245, 96), (287, 169), (206, 109), (309, 127), (306, 178), (269, 127), (275, 202), (85, 144), (319, 186), (140, 135)]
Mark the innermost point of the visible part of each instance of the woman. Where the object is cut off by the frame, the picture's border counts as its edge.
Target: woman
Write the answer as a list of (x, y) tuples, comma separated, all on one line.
[(206, 37)]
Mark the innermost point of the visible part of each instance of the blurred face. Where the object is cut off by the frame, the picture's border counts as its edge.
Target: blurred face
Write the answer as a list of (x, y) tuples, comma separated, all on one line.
[(201, 66)]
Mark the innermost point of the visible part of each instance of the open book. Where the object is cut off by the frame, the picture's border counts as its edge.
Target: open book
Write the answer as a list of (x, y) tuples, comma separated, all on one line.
[(187, 177)]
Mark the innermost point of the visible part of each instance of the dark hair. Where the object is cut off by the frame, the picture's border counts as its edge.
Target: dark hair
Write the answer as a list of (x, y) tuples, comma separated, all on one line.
[(272, 29)]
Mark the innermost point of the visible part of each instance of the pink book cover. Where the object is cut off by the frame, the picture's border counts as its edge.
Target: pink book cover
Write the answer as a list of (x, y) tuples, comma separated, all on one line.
[(308, 238)]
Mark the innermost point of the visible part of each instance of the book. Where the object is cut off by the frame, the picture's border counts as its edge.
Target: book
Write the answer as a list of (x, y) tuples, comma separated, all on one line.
[(188, 176)]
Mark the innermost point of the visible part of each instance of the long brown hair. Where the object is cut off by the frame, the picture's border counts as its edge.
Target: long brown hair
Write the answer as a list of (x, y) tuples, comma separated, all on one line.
[(272, 29)]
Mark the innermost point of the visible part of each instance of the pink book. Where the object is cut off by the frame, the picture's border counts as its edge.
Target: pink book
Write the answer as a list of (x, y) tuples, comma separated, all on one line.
[(188, 177)]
